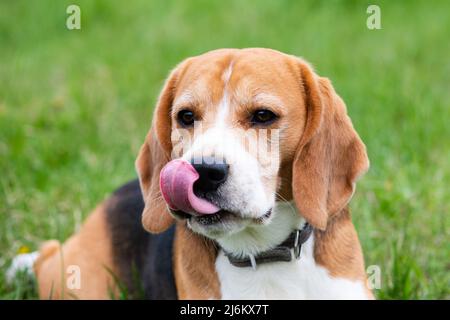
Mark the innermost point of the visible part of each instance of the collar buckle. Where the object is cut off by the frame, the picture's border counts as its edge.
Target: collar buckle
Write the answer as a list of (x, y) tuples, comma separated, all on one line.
[(287, 251), (252, 261), (297, 245)]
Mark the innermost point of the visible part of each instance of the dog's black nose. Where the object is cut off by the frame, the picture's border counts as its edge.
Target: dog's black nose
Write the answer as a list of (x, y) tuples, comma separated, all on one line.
[(212, 174)]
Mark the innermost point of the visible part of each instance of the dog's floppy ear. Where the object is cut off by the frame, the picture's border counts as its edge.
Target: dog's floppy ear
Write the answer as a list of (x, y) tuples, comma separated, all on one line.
[(330, 156), (153, 155), (151, 159)]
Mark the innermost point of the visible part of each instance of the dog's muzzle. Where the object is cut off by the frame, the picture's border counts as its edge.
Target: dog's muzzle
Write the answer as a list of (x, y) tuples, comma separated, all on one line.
[(182, 183)]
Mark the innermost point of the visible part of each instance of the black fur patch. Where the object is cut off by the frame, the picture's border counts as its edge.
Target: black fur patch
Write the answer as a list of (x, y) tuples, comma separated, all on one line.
[(144, 260)]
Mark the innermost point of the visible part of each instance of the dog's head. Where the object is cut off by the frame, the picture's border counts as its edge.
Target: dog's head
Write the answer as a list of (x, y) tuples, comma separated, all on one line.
[(234, 131)]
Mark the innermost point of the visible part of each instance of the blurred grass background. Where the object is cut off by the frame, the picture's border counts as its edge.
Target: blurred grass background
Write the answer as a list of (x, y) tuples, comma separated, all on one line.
[(75, 107)]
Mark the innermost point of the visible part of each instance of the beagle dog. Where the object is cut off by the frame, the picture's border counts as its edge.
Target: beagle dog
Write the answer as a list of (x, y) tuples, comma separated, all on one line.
[(211, 215)]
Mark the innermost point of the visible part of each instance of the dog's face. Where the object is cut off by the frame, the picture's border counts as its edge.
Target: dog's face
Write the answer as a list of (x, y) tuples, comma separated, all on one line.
[(227, 109), (248, 128)]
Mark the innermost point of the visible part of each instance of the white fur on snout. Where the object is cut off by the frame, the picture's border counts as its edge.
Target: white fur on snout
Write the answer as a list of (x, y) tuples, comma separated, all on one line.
[(245, 190)]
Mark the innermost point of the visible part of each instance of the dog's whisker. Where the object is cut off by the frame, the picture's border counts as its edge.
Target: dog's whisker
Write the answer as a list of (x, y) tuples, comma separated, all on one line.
[(294, 210)]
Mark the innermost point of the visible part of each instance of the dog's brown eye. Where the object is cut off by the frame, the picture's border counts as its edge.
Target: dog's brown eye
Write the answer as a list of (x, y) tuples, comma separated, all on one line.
[(186, 117), (263, 116)]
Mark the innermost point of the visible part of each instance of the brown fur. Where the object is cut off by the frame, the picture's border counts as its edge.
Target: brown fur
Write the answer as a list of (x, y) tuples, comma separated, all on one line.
[(90, 250), (330, 156), (338, 249), (149, 163), (321, 159), (194, 258)]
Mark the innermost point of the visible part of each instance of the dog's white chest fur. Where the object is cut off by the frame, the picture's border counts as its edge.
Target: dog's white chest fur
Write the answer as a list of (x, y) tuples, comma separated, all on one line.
[(298, 279)]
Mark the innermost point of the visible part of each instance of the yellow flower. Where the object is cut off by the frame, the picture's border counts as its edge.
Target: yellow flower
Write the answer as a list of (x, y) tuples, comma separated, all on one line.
[(23, 249)]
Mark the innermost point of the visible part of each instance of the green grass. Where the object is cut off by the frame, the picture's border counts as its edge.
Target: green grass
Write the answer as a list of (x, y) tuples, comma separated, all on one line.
[(75, 107)]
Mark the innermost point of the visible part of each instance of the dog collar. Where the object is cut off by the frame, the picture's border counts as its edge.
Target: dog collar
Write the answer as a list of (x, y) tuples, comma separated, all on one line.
[(288, 250)]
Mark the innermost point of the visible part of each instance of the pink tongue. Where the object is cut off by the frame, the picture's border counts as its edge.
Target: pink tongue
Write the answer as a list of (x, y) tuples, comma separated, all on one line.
[(176, 182)]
